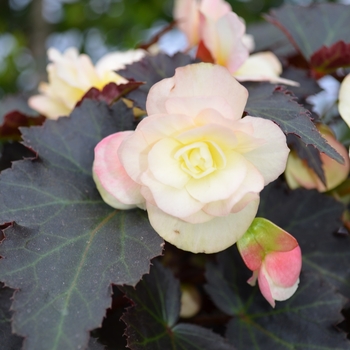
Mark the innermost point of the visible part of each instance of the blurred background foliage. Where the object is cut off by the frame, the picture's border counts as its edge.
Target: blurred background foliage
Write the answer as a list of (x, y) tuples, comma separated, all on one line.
[(29, 27)]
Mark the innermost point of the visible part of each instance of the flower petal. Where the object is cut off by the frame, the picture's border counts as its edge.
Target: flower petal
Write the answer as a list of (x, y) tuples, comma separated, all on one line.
[(262, 66), (221, 183), (208, 237), (174, 201), (223, 38), (187, 17), (215, 8), (193, 106), (114, 184), (275, 147), (344, 100), (284, 267), (114, 61), (222, 136), (164, 167), (247, 191), (271, 291), (193, 81), (265, 285), (48, 107)]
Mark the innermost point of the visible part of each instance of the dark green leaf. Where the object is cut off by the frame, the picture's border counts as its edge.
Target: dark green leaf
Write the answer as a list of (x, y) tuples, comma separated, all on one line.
[(269, 38), (150, 70), (308, 86), (8, 340), (67, 246), (151, 323), (279, 105), (306, 321), (310, 28), (312, 218)]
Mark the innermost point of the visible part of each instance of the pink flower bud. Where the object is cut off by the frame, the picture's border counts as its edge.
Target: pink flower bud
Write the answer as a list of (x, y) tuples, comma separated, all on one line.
[(274, 256)]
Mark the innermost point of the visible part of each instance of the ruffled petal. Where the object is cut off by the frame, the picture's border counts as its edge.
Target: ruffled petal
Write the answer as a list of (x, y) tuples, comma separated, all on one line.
[(192, 81), (193, 106), (271, 157), (164, 167), (48, 107), (171, 200), (114, 184), (221, 183), (344, 100), (262, 66), (208, 237), (284, 267)]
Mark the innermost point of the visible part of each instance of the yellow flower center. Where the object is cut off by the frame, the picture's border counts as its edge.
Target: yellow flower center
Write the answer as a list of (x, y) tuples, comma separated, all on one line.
[(199, 159)]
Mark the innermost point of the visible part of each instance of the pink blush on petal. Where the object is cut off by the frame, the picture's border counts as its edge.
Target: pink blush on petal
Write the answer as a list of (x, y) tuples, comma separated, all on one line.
[(284, 267), (110, 172)]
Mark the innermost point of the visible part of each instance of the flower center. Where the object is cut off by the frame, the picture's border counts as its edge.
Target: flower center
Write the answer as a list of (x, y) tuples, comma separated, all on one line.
[(200, 158)]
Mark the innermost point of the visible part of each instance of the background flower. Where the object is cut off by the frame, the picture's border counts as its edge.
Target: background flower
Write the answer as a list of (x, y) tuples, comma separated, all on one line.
[(344, 100), (71, 75), (221, 39), (197, 164)]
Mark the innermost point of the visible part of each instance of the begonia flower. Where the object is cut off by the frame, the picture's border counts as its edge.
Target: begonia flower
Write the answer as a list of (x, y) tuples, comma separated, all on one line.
[(274, 256), (299, 174), (344, 100), (71, 75), (194, 163), (220, 36)]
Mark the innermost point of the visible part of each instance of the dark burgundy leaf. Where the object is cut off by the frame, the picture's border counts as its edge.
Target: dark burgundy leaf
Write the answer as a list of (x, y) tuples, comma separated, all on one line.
[(327, 60), (111, 92)]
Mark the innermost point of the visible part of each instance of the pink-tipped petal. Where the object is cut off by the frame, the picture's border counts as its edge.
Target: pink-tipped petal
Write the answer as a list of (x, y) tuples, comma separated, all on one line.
[(187, 17), (272, 291), (115, 186), (265, 286), (284, 267)]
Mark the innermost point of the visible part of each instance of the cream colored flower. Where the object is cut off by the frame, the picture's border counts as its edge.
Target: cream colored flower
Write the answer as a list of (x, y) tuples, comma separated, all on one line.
[(221, 37), (344, 100), (193, 163), (71, 75)]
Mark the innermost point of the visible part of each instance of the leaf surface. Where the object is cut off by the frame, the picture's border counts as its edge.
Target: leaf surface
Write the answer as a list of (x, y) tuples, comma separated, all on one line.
[(67, 246), (305, 321), (313, 219), (152, 322), (310, 28), (279, 105), (111, 92)]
